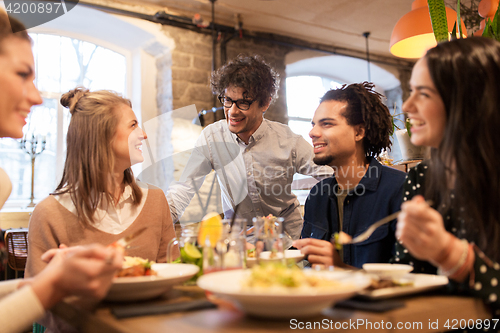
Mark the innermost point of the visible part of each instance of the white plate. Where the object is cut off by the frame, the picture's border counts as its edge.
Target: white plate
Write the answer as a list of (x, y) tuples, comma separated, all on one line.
[(228, 285), (145, 287), (265, 257), (421, 282), (388, 270)]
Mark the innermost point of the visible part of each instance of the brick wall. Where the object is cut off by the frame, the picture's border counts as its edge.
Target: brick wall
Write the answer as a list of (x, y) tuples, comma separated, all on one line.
[(192, 65)]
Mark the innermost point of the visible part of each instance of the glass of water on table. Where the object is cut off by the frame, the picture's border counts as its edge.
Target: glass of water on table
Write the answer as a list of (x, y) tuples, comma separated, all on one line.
[(228, 252), (269, 238)]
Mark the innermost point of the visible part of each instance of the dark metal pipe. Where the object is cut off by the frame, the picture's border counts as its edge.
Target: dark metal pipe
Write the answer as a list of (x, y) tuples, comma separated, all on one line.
[(214, 35), (223, 48), (185, 23), (214, 45), (366, 35)]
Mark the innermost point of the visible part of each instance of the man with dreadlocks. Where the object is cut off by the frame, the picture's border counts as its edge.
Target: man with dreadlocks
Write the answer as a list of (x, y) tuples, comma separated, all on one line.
[(351, 127)]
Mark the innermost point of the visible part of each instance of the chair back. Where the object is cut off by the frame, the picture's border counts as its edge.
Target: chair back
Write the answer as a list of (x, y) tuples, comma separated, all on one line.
[(16, 242)]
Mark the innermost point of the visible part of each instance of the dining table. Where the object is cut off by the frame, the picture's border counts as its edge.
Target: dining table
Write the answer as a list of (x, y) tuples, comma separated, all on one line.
[(433, 311)]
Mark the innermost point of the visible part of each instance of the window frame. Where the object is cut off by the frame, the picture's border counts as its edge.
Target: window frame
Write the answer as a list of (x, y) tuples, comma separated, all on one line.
[(60, 153)]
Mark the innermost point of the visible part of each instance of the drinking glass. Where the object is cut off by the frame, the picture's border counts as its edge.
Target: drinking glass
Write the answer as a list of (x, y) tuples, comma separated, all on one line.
[(269, 236), (229, 252), (190, 250)]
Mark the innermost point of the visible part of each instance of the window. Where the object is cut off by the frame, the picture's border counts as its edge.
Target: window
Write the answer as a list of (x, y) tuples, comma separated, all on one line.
[(61, 64), (302, 98)]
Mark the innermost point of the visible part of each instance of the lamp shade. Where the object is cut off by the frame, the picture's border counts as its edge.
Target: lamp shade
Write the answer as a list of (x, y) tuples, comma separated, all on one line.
[(486, 9), (413, 35)]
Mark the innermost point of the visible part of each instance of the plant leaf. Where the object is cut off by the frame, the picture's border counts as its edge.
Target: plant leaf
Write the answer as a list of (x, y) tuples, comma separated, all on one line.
[(491, 34), (394, 126), (437, 13), (393, 117), (408, 126), (496, 24), (487, 28), (459, 23), (454, 32)]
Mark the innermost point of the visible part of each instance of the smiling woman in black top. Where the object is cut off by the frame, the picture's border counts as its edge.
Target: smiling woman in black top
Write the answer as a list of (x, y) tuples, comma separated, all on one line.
[(454, 109)]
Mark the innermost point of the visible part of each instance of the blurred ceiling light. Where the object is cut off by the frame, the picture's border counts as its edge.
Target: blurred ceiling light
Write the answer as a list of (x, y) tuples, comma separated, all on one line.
[(413, 36), (486, 9)]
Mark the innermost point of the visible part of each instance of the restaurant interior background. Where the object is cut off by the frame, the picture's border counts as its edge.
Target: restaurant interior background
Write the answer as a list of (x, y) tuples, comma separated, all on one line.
[(159, 54)]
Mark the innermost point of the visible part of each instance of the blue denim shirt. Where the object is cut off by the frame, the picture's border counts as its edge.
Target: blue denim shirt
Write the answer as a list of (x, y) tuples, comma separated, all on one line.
[(378, 194)]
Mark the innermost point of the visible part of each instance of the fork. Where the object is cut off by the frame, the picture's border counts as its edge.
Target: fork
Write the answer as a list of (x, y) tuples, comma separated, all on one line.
[(364, 236)]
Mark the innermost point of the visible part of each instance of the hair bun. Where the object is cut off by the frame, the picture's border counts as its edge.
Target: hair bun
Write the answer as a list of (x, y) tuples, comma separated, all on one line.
[(71, 98)]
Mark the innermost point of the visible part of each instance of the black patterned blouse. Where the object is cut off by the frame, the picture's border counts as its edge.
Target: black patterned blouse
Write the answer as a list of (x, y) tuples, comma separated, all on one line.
[(484, 282)]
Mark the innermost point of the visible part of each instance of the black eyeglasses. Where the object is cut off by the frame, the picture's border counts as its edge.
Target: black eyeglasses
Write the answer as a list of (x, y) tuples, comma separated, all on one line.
[(242, 104)]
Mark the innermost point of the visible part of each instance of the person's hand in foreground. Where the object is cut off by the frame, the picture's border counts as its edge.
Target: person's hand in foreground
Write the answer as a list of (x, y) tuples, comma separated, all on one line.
[(421, 230), (82, 271), (63, 248), (318, 252)]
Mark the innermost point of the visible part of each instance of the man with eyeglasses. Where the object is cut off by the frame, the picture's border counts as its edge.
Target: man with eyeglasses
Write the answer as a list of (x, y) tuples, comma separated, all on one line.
[(254, 158)]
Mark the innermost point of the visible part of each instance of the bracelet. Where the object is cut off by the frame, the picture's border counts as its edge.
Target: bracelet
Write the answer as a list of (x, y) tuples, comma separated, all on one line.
[(461, 273), (460, 263)]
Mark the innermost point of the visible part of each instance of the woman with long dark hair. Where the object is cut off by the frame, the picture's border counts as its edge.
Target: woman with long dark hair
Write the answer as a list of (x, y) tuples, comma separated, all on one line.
[(454, 109)]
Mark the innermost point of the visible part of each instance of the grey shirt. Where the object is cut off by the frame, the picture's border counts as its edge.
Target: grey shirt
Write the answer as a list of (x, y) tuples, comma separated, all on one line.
[(341, 195), (258, 176)]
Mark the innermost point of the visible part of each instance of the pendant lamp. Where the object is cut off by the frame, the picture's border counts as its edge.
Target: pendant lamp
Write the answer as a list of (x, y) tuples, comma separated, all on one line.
[(486, 9), (413, 36)]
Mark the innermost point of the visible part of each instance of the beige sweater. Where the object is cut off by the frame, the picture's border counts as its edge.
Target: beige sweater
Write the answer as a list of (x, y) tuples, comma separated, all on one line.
[(51, 225)]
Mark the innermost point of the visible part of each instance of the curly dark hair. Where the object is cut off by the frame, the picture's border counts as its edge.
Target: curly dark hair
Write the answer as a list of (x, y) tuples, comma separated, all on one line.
[(259, 80), (364, 106)]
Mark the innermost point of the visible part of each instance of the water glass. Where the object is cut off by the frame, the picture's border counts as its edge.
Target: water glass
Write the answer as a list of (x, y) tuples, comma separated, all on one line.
[(229, 252), (190, 250), (269, 236)]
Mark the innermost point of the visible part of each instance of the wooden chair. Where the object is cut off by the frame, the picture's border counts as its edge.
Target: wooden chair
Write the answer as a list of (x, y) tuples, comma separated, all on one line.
[(16, 243)]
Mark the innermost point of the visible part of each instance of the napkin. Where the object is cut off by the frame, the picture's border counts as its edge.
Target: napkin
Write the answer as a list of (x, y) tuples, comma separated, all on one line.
[(154, 309)]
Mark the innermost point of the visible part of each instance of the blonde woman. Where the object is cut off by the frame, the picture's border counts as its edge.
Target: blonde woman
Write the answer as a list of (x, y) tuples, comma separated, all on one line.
[(98, 199)]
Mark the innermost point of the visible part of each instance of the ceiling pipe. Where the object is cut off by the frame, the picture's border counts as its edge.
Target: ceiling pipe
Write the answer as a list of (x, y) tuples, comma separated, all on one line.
[(163, 18), (214, 46), (238, 31), (223, 48), (366, 35)]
